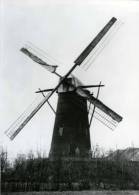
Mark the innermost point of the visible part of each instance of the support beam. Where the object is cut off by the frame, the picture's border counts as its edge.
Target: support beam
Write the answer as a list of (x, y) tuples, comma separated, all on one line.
[(45, 90), (91, 86), (94, 105), (41, 91)]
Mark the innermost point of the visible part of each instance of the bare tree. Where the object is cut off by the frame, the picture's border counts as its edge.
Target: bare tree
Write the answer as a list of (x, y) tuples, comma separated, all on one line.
[(4, 160)]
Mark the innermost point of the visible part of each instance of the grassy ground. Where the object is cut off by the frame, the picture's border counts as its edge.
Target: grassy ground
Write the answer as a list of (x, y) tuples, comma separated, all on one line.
[(75, 193)]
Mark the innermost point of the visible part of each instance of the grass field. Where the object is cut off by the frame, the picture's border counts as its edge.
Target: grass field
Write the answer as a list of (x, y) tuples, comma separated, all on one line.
[(75, 193)]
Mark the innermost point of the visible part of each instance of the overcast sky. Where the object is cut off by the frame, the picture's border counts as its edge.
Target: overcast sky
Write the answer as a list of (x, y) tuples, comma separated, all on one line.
[(63, 29)]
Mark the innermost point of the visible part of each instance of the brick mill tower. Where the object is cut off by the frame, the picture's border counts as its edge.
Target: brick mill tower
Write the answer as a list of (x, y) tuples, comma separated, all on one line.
[(71, 136)]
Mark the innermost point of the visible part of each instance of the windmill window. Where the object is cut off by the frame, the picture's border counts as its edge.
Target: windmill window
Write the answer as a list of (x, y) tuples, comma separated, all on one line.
[(61, 131), (77, 151)]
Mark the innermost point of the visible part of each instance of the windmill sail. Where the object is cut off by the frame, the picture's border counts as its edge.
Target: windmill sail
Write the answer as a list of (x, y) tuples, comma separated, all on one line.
[(105, 119), (99, 105), (100, 116), (24, 118), (95, 41), (105, 109), (50, 68), (93, 55)]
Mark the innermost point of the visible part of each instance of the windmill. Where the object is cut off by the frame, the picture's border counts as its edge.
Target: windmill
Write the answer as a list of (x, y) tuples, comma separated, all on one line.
[(71, 135)]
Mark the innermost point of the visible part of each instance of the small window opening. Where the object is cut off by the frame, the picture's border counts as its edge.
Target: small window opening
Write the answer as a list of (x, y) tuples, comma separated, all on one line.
[(77, 151), (61, 131)]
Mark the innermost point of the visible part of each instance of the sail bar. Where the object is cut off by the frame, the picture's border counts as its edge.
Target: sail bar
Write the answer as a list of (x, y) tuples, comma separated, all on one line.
[(94, 105), (95, 41)]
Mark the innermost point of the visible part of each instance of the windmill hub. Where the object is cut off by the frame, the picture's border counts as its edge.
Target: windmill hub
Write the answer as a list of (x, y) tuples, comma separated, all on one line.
[(69, 85)]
